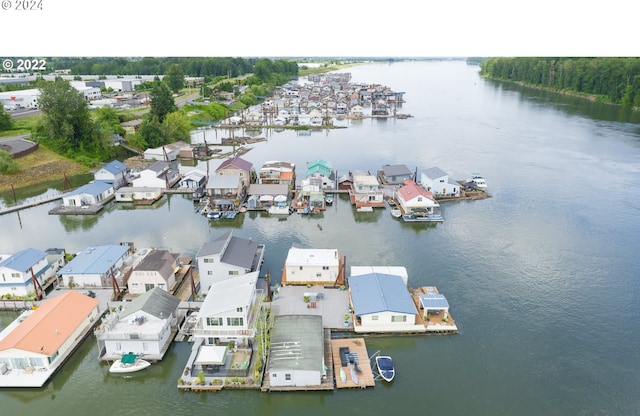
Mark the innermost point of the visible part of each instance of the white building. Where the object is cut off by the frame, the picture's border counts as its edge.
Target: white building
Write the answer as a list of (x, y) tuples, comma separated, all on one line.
[(24, 272), (296, 355), (229, 311), (382, 303), (228, 257), (312, 266), (145, 326), (39, 341), (366, 190), (158, 175), (157, 269), (437, 181), (414, 198), (97, 267), (21, 98), (89, 194), (115, 172)]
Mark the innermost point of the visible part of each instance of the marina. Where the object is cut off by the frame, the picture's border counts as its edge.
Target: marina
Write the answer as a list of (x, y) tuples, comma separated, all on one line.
[(516, 313)]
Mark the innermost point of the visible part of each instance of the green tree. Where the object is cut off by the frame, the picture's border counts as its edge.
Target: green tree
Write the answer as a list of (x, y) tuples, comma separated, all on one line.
[(152, 132), (177, 127), (7, 163), (66, 121), (174, 77), (162, 102), (6, 123), (108, 120)]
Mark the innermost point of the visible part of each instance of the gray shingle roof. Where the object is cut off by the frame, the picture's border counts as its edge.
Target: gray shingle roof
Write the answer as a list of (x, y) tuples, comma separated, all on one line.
[(155, 302)]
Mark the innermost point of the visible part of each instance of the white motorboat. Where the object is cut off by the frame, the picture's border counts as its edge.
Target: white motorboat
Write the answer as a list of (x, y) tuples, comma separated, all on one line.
[(328, 199), (385, 367), (396, 212), (129, 363), (478, 181)]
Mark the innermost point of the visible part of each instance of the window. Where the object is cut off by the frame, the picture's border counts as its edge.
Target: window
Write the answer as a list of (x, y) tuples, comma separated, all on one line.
[(239, 309), (399, 318), (208, 260), (214, 321), (15, 274), (318, 274), (209, 272), (235, 321), (233, 273), (325, 267), (374, 317), (300, 267), (287, 377)]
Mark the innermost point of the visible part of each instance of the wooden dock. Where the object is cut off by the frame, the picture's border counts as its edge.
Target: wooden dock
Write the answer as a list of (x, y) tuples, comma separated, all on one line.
[(30, 202), (357, 346)]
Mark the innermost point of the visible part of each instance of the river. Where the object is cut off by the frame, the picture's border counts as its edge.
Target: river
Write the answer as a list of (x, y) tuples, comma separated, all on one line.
[(542, 277)]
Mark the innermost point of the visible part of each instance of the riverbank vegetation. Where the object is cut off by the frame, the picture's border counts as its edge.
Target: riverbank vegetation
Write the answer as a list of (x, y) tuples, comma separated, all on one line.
[(609, 80), (75, 139)]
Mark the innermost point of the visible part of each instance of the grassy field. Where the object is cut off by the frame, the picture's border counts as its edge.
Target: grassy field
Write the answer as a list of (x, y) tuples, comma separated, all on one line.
[(43, 165), (21, 126)]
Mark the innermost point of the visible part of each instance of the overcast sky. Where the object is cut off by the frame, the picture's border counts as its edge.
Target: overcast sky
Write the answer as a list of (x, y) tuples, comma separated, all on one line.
[(319, 28)]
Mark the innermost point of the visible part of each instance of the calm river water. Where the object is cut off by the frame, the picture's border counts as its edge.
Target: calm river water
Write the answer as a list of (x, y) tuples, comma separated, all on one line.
[(542, 278)]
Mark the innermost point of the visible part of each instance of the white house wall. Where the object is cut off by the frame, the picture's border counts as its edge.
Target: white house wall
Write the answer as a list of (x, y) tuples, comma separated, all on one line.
[(211, 273), (13, 353), (298, 378), (384, 323), (312, 274), (17, 285), (139, 279)]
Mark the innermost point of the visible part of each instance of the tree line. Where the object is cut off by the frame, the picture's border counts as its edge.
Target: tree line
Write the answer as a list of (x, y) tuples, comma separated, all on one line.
[(208, 68), (613, 80)]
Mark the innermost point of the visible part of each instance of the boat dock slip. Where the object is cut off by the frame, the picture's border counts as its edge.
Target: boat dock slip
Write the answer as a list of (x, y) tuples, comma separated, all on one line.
[(350, 355)]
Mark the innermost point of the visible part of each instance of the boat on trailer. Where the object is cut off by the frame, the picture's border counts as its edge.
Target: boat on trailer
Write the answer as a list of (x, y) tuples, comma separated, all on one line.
[(385, 366), (129, 363)]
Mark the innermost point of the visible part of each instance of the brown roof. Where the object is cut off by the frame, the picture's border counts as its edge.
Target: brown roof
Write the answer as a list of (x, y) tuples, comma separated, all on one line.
[(49, 326)]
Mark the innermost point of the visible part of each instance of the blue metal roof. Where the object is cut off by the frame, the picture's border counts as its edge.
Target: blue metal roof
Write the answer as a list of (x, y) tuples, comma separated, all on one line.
[(94, 188), (95, 260), (433, 300), (379, 292), (23, 260), (115, 167)]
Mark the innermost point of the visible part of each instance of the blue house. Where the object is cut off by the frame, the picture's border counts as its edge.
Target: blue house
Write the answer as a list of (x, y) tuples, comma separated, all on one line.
[(98, 267), (89, 194), (115, 173), (24, 272), (381, 303)]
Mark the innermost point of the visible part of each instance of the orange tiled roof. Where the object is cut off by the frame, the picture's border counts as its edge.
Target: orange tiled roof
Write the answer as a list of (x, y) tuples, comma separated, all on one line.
[(49, 326)]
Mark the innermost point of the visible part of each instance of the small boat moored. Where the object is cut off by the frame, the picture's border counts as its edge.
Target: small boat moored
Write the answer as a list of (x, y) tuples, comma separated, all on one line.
[(385, 367), (477, 182), (328, 199), (129, 363)]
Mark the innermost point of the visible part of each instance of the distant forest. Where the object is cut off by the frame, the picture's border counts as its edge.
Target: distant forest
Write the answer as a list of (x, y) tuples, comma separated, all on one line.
[(613, 80), (191, 66)]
